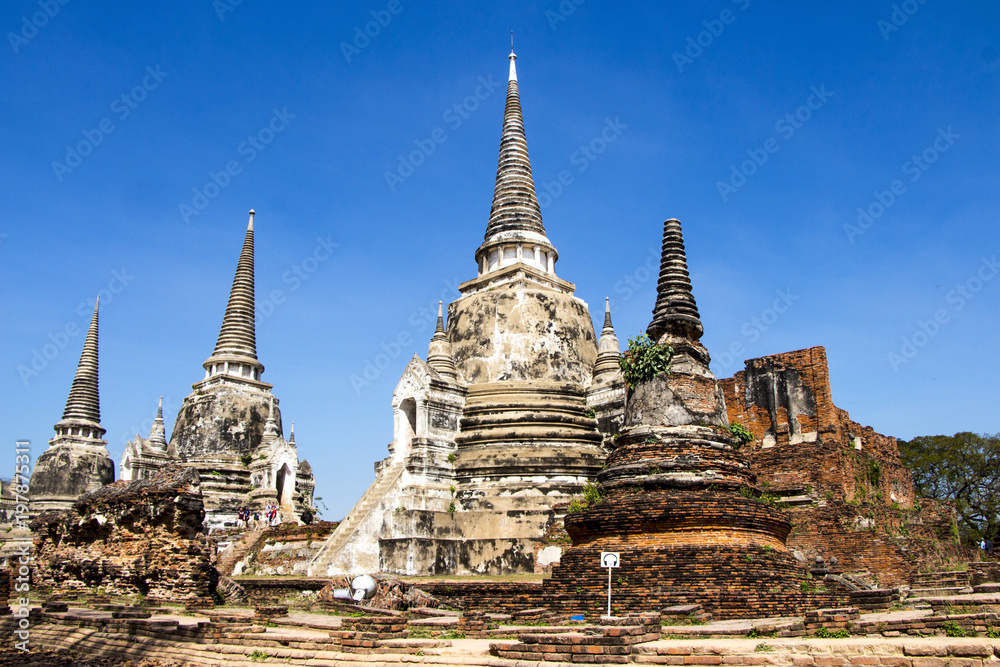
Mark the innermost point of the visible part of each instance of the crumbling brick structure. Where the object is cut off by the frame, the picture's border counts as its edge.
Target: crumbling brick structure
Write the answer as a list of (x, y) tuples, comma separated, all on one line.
[(850, 496), (143, 537)]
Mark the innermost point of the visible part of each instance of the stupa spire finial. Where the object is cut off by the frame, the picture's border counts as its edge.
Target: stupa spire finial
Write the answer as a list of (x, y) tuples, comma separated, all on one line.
[(675, 311), (158, 433), (235, 351), (515, 217), (84, 401), (439, 355)]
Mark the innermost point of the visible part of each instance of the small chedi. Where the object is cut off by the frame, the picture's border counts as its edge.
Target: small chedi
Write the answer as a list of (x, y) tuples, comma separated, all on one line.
[(229, 428), (680, 503), (141, 538), (77, 459), (499, 424)]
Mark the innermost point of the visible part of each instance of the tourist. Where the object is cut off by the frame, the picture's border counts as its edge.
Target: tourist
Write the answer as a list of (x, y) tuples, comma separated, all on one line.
[(989, 546)]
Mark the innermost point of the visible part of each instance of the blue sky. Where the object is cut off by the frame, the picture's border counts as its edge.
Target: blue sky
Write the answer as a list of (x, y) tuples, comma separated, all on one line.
[(762, 128)]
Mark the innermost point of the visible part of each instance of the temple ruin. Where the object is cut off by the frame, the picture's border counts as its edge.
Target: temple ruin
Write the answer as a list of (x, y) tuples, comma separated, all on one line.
[(229, 428), (497, 427)]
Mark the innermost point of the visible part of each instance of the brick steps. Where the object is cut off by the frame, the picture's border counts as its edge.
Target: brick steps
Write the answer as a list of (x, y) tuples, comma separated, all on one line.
[(833, 653), (940, 592)]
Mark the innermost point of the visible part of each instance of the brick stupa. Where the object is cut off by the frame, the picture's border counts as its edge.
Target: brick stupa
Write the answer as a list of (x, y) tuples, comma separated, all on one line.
[(681, 505)]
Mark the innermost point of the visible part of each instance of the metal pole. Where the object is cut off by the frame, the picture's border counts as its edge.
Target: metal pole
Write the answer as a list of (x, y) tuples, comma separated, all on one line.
[(609, 592)]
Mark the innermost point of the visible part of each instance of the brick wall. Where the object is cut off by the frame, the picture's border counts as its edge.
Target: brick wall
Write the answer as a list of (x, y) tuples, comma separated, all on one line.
[(853, 498)]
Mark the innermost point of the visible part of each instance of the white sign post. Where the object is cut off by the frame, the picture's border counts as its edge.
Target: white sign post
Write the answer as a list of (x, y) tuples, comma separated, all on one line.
[(609, 559)]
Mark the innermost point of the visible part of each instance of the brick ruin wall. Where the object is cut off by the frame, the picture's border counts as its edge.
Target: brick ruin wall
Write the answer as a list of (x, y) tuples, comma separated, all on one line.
[(851, 498), (139, 538)]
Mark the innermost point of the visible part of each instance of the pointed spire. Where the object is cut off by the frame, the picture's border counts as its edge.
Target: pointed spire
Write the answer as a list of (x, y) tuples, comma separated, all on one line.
[(158, 433), (84, 401), (608, 328), (675, 312), (236, 349), (238, 336), (515, 217), (270, 426), (439, 355), (608, 349), (291, 435)]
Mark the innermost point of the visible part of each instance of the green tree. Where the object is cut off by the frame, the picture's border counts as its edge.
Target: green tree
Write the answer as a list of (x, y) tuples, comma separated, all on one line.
[(964, 468)]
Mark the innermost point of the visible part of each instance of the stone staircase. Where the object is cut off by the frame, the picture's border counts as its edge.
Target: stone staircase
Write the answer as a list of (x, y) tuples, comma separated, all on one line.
[(940, 584), (238, 550), (319, 565)]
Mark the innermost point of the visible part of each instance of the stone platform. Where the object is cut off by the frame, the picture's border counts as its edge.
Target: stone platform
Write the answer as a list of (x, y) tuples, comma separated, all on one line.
[(94, 637)]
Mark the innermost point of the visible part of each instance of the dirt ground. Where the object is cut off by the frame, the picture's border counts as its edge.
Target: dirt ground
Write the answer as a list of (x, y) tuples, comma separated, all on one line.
[(10, 657)]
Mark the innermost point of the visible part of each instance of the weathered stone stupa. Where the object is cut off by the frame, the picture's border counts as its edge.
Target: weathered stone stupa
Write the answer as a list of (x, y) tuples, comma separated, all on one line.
[(229, 427), (77, 459), (494, 429), (681, 506)]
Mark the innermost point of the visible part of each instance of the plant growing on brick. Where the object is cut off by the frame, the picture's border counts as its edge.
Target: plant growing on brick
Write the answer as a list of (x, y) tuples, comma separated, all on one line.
[(826, 633), (741, 433), (644, 359)]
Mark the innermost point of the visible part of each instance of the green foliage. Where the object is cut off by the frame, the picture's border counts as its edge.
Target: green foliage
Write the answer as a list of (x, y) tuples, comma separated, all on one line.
[(746, 492), (246, 459), (452, 489), (741, 433), (964, 468), (451, 507), (215, 473), (754, 633), (952, 629), (258, 656), (592, 494), (874, 472), (452, 457), (644, 360), (826, 633), (993, 633), (590, 413)]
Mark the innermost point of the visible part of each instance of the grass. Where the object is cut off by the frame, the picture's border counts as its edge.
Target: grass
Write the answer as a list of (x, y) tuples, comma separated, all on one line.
[(826, 633)]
